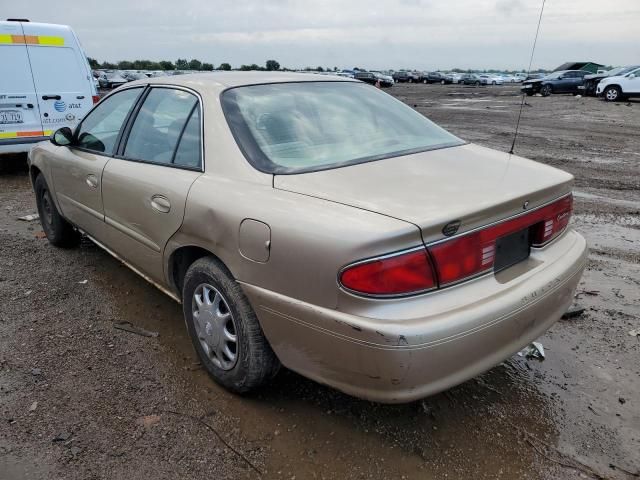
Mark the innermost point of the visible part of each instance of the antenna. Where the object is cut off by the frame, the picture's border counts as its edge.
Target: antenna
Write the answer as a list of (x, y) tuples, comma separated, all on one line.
[(535, 41)]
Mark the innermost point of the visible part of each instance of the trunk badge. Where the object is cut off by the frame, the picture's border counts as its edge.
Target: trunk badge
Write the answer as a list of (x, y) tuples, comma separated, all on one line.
[(451, 228)]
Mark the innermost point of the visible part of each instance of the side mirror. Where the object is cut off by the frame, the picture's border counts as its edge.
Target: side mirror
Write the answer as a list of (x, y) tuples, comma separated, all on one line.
[(632, 75), (62, 137)]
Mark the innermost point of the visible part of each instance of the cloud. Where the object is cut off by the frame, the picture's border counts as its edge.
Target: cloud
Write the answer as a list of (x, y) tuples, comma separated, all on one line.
[(424, 34)]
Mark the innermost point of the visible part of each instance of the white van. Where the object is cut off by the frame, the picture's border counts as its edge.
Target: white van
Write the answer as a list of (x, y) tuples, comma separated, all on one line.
[(45, 84)]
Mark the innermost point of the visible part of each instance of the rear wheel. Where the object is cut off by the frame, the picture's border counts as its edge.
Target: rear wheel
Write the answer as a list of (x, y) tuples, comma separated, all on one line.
[(224, 329), (59, 232), (612, 93), (546, 90)]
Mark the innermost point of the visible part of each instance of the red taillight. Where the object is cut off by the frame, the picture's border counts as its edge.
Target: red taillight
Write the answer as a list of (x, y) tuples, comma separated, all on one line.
[(474, 253), (96, 98), (454, 259), (393, 275)]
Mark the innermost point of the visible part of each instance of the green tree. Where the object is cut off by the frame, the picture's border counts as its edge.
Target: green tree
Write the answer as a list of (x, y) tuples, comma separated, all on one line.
[(109, 65), (93, 63), (167, 65), (272, 65), (195, 64), (182, 64), (207, 67), (225, 66), (319, 69), (125, 65)]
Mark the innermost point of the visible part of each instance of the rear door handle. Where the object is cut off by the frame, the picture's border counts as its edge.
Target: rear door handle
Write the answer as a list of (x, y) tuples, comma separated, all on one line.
[(51, 97), (160, 203)]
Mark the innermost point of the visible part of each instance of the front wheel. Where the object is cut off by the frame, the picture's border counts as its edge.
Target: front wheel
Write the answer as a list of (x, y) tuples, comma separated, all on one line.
[(224, 329), (59, 232), (612, 94), (546, 90)]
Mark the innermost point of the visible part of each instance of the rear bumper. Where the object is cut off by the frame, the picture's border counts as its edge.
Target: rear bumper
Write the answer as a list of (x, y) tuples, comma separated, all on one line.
[(395, 361)]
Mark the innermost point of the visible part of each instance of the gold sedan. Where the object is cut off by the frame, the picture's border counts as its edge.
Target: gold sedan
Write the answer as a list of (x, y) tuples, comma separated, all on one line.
[(318, 223)]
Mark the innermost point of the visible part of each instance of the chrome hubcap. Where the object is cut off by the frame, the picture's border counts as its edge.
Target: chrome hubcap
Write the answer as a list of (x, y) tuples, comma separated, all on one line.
[(612, 94), (215, 326)]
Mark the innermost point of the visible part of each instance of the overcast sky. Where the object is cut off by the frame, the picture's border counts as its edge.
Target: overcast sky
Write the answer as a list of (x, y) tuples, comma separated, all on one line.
[(422, 34)]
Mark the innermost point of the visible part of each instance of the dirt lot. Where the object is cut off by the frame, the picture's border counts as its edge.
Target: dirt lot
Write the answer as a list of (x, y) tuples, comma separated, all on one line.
[(80, 399)]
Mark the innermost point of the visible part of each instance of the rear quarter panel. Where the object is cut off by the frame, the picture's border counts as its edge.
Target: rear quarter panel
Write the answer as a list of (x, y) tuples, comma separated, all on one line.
[(311, 239)]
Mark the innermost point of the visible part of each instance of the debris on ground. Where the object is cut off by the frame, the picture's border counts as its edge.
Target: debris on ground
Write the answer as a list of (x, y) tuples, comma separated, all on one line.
[(593, 293), (40, 234), (533, 350), (83, 282), (129, 327), (635, 333), (148, 420), (62, 437), (29, 218), (33, 407), (574, 311), (36, 371)]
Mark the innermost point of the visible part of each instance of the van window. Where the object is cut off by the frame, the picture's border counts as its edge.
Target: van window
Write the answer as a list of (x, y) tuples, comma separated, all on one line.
[(16, 73), (56, 70)]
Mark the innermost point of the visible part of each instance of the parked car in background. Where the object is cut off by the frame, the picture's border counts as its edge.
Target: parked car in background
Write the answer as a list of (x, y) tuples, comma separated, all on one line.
[(414, 289), (455, 77), (131, 76), (45, 83), (436, 77), (471, 79), (491, 79), (402, 76), (112, 79), (620, 87), (373, 78), (591, 81), (386, 81), (534, 76), (563, 81)]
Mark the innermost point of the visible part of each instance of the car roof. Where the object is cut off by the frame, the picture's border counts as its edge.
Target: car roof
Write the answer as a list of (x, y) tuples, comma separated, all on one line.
[(223, 80)]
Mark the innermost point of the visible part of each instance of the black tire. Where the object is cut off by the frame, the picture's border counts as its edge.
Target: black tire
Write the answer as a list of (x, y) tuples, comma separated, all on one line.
[(255, 362), (546, 90), (59, 232), (612, 94), (477, 84)]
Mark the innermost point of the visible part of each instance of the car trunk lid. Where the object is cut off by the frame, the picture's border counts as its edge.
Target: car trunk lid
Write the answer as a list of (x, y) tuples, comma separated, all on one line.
[(469, 184)]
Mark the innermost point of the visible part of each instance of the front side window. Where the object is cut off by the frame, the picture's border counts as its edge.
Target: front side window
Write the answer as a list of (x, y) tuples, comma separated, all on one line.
[(159, 125), (309, 126), (99, 130)]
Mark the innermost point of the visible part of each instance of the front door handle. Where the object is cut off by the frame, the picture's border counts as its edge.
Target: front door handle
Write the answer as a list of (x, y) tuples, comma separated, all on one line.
[(160, 203), (51, 97), (92, 181)]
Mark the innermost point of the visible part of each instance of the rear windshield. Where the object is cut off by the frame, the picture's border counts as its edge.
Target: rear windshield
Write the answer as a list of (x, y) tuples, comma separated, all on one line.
[(309, 126)]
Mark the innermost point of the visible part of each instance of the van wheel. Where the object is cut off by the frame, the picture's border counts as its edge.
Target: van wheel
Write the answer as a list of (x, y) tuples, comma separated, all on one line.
[(613, 93), (224, 329), (59, 232)]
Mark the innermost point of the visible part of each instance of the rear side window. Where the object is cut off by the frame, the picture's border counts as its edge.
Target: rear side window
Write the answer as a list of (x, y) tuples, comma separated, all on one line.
[(99, 130), (159, 124), (188, 152), (57, 70)]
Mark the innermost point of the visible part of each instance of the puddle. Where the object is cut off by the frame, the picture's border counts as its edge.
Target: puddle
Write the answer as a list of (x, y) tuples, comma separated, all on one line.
[(312, 430)]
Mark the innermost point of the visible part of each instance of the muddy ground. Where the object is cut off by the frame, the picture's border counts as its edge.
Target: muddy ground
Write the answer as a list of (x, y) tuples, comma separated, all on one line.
[(80, 399)]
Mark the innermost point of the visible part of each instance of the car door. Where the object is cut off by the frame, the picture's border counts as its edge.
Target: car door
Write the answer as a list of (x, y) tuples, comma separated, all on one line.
[(77, 169), (19, 115), (631, 83), (145, 187)]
